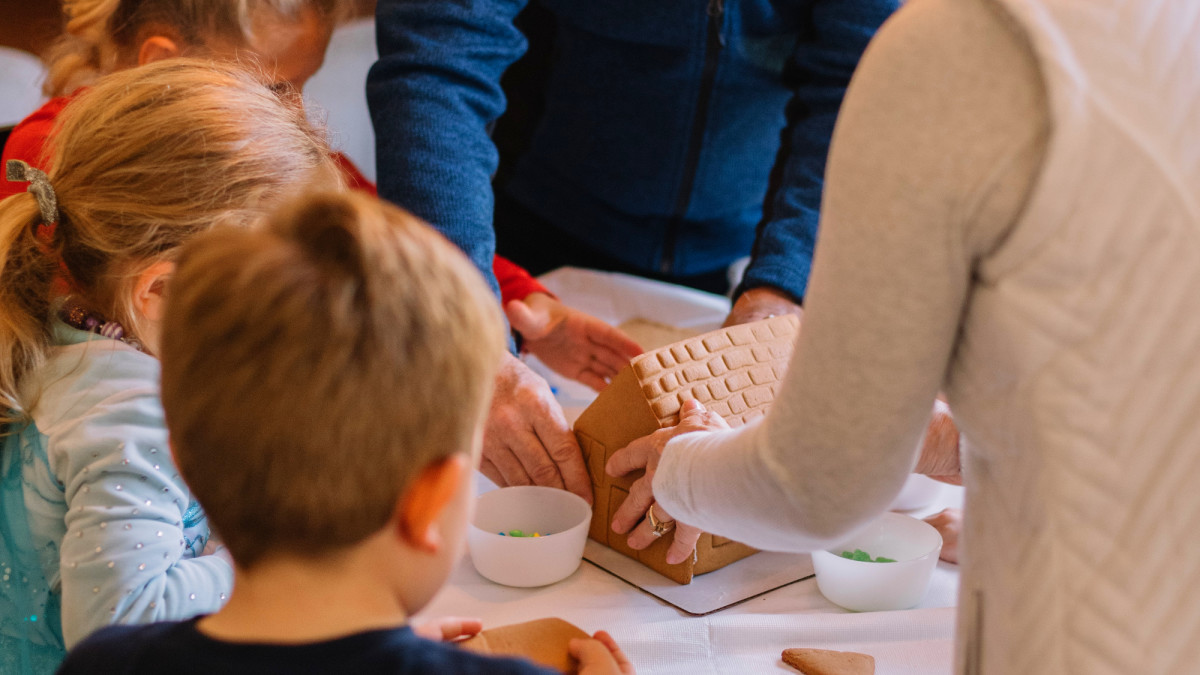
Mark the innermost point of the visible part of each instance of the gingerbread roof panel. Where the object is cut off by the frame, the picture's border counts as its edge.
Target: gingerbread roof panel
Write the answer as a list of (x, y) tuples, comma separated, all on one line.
[(733, 371)]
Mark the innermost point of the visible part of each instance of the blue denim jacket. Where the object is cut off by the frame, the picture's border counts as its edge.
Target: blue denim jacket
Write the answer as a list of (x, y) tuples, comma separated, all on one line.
[(664, 120)]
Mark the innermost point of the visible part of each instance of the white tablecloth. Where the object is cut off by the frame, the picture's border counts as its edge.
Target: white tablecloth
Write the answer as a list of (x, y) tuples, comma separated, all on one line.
[(745, 638)]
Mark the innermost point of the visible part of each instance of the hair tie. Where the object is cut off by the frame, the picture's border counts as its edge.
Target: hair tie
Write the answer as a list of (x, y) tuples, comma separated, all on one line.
[(17, 171)]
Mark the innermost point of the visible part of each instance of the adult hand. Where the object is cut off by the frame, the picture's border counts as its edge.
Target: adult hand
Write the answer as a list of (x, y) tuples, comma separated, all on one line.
[(940, 459), (948, 523), (448, 629), (572, 343), (761, 303), (644, 453), (526, 440), (600, 656)]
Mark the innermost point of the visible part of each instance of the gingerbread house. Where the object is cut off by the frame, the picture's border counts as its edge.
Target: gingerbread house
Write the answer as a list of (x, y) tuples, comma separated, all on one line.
[(734, 371)]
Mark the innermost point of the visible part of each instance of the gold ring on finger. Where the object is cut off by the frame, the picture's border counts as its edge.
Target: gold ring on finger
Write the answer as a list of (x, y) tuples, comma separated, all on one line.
[(661, 527)]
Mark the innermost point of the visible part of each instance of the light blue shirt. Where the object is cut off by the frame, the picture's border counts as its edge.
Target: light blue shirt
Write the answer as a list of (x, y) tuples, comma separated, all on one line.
[(96, 525)]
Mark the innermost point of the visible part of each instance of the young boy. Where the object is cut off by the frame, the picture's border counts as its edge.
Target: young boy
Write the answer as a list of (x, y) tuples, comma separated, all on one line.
[(325, 379)]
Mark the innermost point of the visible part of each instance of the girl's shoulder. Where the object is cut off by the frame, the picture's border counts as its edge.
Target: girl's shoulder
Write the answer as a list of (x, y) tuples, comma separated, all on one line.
[(86, 374)]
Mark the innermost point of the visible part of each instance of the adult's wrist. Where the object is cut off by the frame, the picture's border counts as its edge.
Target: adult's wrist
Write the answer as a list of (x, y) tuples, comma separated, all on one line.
[(762, 303), (789, 277)]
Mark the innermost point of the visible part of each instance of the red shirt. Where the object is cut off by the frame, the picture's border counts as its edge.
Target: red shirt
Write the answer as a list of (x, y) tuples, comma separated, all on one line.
[(30, 139)]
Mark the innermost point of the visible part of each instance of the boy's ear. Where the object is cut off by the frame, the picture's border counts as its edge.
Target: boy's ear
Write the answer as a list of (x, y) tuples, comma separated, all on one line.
[(149, 291), (158, 47), (421, 506)]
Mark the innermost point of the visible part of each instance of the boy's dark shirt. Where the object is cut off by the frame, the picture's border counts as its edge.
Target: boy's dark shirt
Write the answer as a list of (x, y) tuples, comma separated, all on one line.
[(180, 649)]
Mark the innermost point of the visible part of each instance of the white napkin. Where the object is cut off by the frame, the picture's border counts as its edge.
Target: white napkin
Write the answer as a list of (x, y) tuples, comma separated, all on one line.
[(915, 641)]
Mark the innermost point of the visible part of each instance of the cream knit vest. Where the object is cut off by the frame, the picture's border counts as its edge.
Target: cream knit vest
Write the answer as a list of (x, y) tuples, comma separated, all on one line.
[(1077, 380)]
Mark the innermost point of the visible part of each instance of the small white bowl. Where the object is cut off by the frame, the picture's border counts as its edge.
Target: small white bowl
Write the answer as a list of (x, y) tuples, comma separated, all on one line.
[(871, 586), (561, 517)]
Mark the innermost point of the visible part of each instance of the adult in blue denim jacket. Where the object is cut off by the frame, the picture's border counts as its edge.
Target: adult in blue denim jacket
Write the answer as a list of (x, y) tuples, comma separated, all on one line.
[(677, 136)]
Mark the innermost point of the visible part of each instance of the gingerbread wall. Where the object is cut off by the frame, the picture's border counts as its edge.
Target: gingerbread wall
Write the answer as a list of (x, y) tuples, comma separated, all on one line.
[(733, 371)]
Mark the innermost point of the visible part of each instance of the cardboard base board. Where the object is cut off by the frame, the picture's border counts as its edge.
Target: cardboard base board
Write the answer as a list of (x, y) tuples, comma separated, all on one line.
[(708, 593)]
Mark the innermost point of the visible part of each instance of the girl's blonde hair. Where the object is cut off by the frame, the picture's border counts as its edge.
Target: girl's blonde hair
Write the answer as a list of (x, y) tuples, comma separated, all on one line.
[(142, 162), (101, 35)]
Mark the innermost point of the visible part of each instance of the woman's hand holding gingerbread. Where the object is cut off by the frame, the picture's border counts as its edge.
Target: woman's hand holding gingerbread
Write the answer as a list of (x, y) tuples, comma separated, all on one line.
[(639, 515)]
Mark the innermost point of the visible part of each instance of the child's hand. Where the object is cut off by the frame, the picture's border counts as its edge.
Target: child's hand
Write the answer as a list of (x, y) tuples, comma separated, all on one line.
[(948, 524), (600, 656), (573, 344), (448, 628), (214, 547)]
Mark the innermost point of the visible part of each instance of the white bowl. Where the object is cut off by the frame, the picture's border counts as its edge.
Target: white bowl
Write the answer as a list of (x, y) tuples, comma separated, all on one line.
[(561, 517), (871, 586)]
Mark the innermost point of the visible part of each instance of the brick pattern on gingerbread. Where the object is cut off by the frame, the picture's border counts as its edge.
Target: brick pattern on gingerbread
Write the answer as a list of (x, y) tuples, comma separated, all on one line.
[(734, 371)]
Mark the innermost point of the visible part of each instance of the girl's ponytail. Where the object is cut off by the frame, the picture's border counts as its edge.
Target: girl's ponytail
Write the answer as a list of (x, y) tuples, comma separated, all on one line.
[(27, 272)]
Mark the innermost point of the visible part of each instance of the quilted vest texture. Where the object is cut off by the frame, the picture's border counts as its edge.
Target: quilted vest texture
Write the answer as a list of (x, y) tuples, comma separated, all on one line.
[(1077, 379)]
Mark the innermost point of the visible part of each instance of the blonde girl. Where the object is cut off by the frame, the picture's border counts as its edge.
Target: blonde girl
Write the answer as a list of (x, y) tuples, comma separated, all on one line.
[(96, 526), (285, 40)]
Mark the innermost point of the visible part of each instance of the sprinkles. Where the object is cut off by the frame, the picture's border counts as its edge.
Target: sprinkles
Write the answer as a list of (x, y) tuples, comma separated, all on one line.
[(518, 533), (862, 556)]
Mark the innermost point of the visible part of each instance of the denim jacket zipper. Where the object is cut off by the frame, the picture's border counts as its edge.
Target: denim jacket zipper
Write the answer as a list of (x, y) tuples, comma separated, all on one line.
[(712, 54)]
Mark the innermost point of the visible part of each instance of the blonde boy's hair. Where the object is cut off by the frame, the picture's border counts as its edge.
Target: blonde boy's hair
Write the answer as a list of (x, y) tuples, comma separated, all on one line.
[(142, 162), (312, 368), (101, 35)]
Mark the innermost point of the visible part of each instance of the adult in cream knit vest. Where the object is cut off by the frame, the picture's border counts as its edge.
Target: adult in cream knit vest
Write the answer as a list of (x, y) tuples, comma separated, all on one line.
[(1011, 215)]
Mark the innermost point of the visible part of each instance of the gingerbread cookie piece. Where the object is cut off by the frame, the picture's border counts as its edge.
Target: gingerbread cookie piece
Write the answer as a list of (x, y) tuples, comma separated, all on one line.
[(829, 662), (543, 641)]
